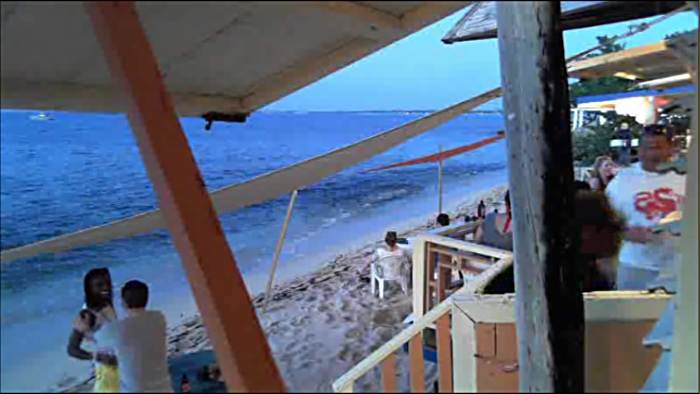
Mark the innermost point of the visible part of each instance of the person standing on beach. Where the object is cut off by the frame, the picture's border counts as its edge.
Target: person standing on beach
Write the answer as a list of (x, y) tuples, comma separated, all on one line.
[(481, 210), (97, 312), (643, 197), (140, 343)]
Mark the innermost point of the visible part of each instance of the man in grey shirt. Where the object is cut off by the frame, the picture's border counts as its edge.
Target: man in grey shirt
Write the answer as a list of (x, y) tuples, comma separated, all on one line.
[(139, 342)]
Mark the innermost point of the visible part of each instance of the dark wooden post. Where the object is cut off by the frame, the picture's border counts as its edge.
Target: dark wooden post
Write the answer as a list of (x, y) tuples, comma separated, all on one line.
[(217, 285), (549, 311)]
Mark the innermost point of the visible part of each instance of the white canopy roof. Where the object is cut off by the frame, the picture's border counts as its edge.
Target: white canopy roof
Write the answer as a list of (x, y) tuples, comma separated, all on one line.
[(228, 57)]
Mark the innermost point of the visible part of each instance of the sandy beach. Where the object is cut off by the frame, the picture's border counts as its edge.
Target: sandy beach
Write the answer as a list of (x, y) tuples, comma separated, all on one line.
[(321, 324)]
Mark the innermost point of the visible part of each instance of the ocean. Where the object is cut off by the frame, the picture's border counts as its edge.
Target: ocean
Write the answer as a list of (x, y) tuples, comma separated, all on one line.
[(80, 170)]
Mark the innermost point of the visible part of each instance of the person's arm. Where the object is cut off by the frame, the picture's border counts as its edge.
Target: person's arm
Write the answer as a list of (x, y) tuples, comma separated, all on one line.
[(74, 349)]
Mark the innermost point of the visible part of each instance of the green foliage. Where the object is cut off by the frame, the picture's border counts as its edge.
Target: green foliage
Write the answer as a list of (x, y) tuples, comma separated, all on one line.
[(596, 142), (676, 34), (608, 45), (589, 87), (596, 86)]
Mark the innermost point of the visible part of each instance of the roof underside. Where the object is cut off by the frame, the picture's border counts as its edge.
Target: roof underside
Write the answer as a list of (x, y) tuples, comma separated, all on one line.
[(479, 21), (641, 63), (226, 57)]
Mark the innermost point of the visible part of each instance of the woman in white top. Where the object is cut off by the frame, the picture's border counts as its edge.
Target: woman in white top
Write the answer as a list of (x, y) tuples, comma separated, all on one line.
[(98, 311)]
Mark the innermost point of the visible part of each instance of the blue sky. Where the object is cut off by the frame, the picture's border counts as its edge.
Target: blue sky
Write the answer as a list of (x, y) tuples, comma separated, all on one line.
[(420, 72)]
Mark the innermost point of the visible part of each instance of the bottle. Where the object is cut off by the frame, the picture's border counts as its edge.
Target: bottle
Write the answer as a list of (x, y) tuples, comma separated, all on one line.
[(184, 384)]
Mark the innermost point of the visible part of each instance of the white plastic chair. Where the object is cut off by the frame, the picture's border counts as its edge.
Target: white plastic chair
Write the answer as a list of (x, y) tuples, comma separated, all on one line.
[(388, 268)]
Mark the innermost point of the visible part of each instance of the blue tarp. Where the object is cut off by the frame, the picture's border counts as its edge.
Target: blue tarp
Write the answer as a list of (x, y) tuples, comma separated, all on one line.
[(686, 89)]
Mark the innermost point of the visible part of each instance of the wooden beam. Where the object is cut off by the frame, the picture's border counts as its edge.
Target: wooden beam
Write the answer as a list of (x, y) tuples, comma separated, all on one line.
[(377, 18), (217, 285), (417, 367), (317, 67), (550, 318), (278, 249), (389, 374), (684, 375), (444, 354)]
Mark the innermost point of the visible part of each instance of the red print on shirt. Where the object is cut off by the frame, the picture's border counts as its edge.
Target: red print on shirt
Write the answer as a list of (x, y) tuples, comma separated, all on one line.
[(656, 204)]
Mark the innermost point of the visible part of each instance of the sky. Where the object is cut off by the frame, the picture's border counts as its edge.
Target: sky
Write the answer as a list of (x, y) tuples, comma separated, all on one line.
[(419, 72)]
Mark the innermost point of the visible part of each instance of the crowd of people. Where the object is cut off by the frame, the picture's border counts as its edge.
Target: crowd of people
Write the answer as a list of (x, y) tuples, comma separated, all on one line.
[(618, 211)]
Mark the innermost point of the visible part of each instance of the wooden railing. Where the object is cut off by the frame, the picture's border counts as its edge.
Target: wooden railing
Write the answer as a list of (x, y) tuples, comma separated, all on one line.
[(413, 335), (435, 257), (486, 261)]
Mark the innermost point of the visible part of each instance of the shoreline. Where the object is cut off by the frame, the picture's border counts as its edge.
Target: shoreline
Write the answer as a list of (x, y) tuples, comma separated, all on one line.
[(321, 323)]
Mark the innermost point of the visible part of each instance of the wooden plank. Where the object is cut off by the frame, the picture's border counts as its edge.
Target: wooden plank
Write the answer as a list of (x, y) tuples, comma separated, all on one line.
[(278, 248), (429, 280), (444, 277), (217, 285), (464, 245), (684, 373), (313, 69), (549, 304), (389, 374), (616, 360), (479, 20), (376, 18), (417, 368), (463, 351), (444, 354), (463, 255), (599, 306)]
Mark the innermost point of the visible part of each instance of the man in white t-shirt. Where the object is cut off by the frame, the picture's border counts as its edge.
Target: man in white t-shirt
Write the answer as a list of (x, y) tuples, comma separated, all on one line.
[(643, 197), (139, 342)]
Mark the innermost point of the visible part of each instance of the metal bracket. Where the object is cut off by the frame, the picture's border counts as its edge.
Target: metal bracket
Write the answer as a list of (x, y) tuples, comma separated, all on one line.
[(210, 117)]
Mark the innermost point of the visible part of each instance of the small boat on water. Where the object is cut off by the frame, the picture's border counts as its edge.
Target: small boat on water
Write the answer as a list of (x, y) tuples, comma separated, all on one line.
[(40, 116)]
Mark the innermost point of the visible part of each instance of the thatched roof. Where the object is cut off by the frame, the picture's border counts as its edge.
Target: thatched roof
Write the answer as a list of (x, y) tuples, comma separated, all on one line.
[(643, 63), (479, 21), (228, 57)]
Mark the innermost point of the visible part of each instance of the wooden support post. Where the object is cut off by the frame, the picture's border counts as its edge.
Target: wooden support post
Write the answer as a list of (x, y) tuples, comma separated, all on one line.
[(440, 184), (278, 248), (431, 263), (444, 277), (550, 320), (684, 376), (389, 374), (217, 285), (444, 354), (417, 368)]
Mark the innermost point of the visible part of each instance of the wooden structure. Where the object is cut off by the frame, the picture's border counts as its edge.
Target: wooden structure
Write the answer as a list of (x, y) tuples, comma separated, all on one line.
[(479, 20), (642, 63), (468, 256), (225, 59), (476, 338), (236, 57), (609, 317), (615, 359), (155, 70)]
